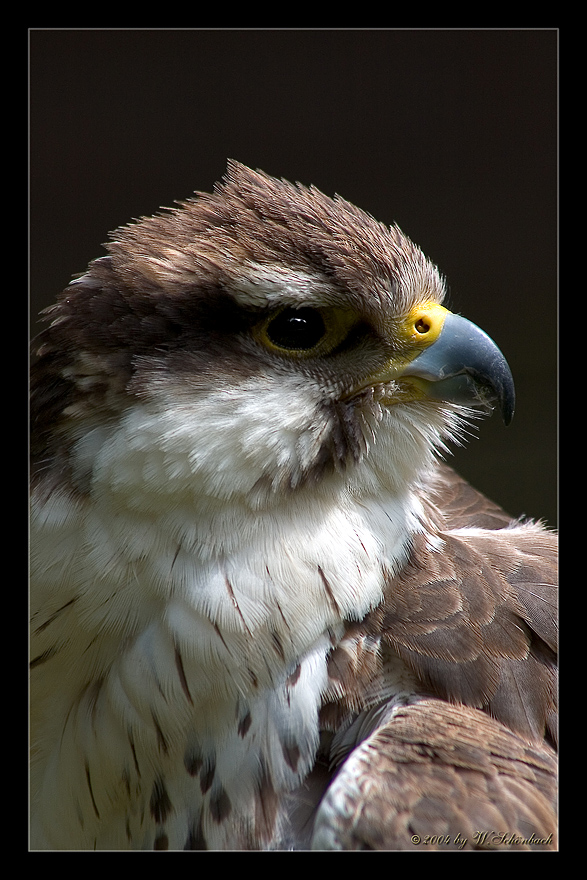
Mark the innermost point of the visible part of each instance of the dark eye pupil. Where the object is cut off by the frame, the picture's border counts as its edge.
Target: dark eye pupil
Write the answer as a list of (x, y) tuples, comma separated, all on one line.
[(300, 329)]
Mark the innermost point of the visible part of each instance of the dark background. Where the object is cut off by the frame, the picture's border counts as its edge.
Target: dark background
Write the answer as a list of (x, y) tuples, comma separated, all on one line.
[(450, 133)]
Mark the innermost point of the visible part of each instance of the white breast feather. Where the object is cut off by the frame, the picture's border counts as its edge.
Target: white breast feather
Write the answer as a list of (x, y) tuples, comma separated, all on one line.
[(175, 556)]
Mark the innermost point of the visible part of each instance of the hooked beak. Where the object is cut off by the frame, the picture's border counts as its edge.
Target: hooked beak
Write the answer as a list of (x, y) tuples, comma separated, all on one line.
[(464, 365), (446, 357)]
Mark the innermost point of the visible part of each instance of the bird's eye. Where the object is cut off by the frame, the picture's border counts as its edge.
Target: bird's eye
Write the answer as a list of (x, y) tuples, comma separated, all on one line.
[(305, 332), (296, 329)]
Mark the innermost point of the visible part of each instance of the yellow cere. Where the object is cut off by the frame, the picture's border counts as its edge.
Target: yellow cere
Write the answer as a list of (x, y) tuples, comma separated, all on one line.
[(423, 324)]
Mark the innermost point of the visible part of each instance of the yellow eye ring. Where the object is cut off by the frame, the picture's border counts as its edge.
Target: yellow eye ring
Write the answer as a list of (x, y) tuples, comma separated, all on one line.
[(306, 331), (296, 329)]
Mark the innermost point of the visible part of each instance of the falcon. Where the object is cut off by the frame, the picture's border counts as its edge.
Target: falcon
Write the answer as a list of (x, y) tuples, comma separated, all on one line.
[(266, 615)]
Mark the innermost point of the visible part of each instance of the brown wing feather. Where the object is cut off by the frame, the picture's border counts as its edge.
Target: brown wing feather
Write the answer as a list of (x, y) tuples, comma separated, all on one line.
[(463, 506), (436, 777), (476, 621)]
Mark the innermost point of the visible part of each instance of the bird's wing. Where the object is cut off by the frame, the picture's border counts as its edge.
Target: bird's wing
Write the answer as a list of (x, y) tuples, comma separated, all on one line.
[(441, 777), (475, 621), (462, 505)]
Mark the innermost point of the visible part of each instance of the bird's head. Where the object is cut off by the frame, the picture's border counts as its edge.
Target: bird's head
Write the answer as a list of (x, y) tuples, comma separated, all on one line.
[(271, 338)]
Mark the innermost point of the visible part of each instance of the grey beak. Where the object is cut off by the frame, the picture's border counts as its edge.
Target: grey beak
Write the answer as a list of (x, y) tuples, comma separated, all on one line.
[(465, 366)]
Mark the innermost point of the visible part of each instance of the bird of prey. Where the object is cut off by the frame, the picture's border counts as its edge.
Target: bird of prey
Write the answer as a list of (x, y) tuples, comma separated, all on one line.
[(266, 615)]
